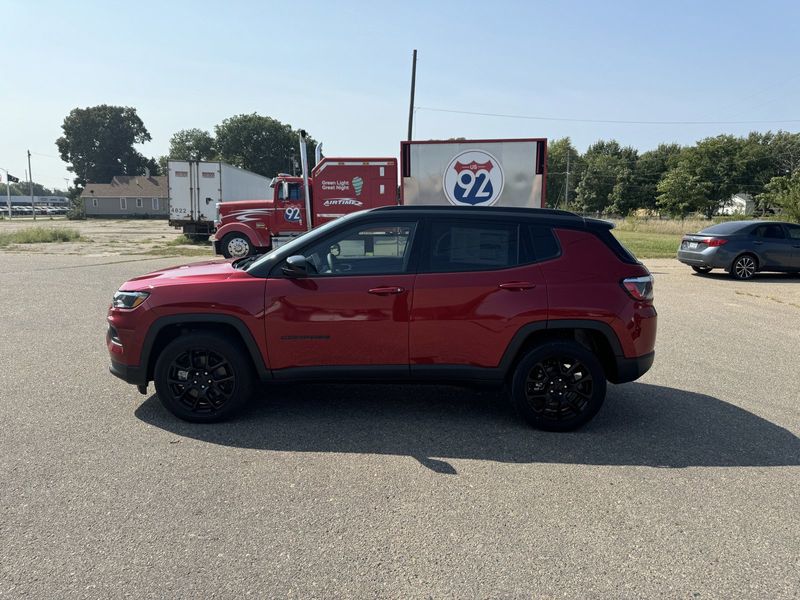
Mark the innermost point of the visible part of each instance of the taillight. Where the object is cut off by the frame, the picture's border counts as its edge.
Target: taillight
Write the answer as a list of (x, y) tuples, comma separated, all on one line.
[(712, 242), (639, 288)]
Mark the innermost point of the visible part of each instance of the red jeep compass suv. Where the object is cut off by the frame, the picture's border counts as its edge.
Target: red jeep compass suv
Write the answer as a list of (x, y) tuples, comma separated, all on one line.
[(545, 301)]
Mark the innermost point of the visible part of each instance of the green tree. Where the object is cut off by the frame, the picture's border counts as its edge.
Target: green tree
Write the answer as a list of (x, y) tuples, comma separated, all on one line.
[(681, 193), (557, 153), (260, 144), (650, 168), (22, 189), (712, 171), (192, 144), (607, 183), (784, 192), (98, 143)]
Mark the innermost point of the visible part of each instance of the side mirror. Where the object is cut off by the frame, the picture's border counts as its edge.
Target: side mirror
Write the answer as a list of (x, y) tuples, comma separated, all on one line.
[(285, 190), (297, 266)]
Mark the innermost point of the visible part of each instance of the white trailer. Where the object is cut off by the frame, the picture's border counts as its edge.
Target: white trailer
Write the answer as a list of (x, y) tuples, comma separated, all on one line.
[(508, 172), (195, 188)]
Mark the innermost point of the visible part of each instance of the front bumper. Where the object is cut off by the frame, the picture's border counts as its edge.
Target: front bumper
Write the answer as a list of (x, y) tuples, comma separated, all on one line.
[(630, 369), (128, 373)]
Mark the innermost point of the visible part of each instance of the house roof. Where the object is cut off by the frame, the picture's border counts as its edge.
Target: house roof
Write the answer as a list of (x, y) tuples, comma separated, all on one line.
[(129, 186)]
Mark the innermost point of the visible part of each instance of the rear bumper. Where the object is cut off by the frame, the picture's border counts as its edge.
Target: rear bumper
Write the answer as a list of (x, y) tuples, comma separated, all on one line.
[(630, 369), (128, 373), (713, 258)]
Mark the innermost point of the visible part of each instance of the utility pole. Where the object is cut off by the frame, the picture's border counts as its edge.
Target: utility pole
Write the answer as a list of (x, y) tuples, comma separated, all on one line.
[(30, 185), (8, 193), (413, 87), (566, 184)]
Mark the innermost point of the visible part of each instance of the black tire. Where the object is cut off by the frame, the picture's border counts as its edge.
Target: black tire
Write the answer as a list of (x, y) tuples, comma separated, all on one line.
[(218, 378), (545, 396), (236, 245), (744, 267), (701, 270)]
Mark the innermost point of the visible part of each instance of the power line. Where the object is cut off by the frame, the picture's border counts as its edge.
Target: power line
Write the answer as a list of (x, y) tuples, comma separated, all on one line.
[(607, 121)]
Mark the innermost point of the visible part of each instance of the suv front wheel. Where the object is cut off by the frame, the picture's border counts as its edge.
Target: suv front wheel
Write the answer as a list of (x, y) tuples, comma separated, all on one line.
[(558, 386), (202, 377)]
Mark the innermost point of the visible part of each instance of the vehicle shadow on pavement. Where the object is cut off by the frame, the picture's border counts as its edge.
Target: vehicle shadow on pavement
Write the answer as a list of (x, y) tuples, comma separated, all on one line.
[(767, 277), (640, 425)]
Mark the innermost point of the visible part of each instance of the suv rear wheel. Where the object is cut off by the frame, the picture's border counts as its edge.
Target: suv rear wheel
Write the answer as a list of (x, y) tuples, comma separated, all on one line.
[(202, 377), (558, 386)]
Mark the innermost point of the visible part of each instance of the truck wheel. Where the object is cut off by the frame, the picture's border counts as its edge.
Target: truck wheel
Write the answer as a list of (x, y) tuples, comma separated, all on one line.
[(236, 245), (558, 386), (202, 377)]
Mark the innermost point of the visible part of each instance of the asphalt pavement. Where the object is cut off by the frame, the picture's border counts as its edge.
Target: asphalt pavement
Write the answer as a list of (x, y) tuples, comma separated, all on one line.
[(684, 486)]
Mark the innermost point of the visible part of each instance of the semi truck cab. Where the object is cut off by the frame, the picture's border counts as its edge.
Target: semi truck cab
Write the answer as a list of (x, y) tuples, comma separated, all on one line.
[(337, 187)]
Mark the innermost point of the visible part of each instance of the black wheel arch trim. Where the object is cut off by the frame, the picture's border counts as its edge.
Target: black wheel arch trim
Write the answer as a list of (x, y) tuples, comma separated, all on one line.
[(204, 318), (554, 325)]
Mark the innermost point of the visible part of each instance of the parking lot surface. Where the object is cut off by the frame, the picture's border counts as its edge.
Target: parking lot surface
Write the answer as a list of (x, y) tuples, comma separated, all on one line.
[(684, 486)]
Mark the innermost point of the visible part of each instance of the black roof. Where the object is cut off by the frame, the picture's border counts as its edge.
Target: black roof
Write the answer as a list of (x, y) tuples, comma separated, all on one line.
[(552, 215)]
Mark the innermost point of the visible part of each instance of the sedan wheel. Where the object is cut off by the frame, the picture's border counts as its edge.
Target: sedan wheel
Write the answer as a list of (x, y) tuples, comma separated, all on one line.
[(744, 267)]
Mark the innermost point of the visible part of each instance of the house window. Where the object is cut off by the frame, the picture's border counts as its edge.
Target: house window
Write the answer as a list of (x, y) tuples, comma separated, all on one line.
[(123, 204), (155, 203), (94, 202), (139, 203)]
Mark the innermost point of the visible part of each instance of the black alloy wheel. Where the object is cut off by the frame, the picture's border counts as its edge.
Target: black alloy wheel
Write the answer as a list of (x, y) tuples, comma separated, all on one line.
[(701, 270), (559, 386), (744, 267), (203, 377)]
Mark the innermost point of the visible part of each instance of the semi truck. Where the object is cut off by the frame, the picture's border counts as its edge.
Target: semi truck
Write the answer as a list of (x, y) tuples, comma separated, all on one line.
[(196, 187), (505, 172)]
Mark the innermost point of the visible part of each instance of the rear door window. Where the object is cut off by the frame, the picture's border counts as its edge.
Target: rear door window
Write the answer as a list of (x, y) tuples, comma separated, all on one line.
[(472, 246), (794, 231), (772, 231)]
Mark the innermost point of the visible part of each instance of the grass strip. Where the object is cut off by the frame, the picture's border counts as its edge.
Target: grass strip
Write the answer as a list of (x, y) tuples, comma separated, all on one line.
[(39, 235)]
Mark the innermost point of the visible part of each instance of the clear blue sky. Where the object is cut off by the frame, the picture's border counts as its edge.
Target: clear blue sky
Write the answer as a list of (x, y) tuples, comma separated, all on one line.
[(341, 70)]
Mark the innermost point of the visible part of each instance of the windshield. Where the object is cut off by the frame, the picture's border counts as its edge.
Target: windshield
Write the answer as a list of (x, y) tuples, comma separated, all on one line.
[(292, 247)]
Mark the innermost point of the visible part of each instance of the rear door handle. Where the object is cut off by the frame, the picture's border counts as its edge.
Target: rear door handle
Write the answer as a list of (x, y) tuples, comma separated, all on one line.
[(386, 291), (516, 286), (758, 243)]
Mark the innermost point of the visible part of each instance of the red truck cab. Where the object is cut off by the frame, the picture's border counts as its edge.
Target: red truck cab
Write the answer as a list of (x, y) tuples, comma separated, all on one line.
[(337, 187)]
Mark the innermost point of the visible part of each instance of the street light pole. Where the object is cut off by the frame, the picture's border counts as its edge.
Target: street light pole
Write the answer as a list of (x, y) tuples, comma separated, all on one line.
[(30, 185), (8, 194)]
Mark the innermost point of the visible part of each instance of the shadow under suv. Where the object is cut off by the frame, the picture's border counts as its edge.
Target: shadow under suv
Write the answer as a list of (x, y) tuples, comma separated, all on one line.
[(543, 301)]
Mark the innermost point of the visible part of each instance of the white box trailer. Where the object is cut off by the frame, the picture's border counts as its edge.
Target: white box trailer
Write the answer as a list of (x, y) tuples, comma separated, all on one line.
[(505, 172), (195, 187)]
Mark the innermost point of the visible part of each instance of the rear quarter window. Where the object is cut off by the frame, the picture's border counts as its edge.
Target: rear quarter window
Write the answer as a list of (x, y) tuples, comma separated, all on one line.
[(543, 244)]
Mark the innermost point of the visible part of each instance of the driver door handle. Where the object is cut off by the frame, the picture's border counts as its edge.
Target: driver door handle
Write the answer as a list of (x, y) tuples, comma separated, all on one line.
[(516, 286), (386, 291)]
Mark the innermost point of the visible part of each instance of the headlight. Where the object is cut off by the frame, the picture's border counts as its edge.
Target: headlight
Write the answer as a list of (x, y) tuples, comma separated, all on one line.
[(129, 299)]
